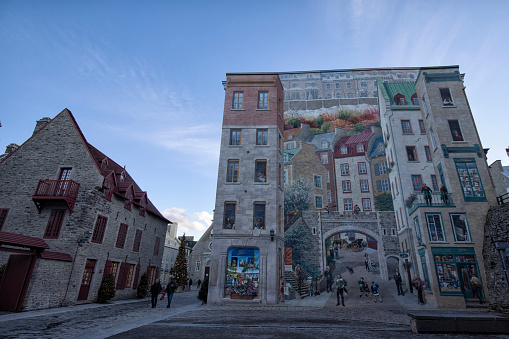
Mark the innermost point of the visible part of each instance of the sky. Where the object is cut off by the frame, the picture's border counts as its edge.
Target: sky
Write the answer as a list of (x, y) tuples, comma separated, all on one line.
[(143, 78)]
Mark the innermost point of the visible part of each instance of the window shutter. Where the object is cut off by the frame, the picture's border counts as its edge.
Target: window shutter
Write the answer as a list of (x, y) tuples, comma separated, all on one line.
[(124, 268), (379, 185), (136, 277), (107, 268), (157, 273), (377, 169)]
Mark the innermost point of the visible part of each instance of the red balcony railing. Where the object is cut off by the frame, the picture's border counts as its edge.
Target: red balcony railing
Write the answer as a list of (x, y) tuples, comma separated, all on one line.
[(52, 190)]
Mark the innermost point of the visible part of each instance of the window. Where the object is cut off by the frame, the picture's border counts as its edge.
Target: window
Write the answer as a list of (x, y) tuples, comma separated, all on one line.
[(421, 127), (238, 100), (318, 181), (366, 204), (260, 171), (55, 221), (318, 201), (137, 241), (425, 107), (328, 176), (411, 153), (460, 227), (347, 186), (349, 95), (261, 136), (445, 93), (399, 99), (285, 176), (157, 244), (428, 153), (344, 150), (100, 227), (348, 85), (129, 275), (280, 174), (198, 264), (433, 140), (348, 204), (232, 174), (280, 141), (406, 126), (259, 216), (456, 134), (362, 168), (328, 86), (345, 169), (229, 215), (417, 182), (364, 84), (417, 230), (235, 137), (434, 182), (469, 179), (329, 197), (415, 100), (382, 168), (435, 228), (3, 216), (383, 185), (324, 158), (360, 148), (338, 95), (337, 85), (65, 176), (107, 188), (122, 234), (364, 186), (114, 269), (263, 100), (399, 75)]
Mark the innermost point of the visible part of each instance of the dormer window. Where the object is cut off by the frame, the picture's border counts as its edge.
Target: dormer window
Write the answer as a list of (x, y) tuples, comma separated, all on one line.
[(380, 147), (415, 100), (325, 144), (360, 148), (290, 137), (122, 176), (344, 150), (104, 163), (399, 99)]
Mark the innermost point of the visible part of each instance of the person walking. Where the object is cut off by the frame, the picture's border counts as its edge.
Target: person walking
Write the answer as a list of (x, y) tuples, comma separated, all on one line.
[(340, 289), (419, 286), (329, 279), (427, 193), (363, 288), (366, 261), (375, 292), (170, 290), (190, 283), (282, 291), (155, 289), (399, 282), (475, 283), (199, 283)]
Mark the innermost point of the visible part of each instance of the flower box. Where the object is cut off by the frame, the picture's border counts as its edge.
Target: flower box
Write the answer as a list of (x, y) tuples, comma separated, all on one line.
[(242, 297)]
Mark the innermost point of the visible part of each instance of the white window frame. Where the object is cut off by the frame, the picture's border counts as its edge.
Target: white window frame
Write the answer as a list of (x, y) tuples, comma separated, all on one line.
[(325, 158), (432, 227), (317, 181), (198, 265), (360, 148), (319, 198)]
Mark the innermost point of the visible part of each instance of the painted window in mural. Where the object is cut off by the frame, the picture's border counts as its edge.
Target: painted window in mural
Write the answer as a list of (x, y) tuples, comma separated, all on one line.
[(243, 273), (460, 226), (454, 272), (470, 180)]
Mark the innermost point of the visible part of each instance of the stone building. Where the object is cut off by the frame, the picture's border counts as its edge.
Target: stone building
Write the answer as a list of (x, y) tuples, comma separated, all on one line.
[(303, 163), (448, 230), (171, 249), (500, 175), (69, 216), (379, 168), (248, 246), (324, 149), (293, 136), (199, 259)]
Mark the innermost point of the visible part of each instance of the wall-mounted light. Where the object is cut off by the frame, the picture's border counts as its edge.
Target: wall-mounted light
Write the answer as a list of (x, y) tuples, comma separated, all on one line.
[(272, 235)]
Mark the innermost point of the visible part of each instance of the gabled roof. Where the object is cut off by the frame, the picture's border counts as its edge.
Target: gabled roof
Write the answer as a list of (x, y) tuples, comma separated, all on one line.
[(358, 138), (390, 90), (320, 138), (293, 132), (351, 142), (374, 151), (290, 153)]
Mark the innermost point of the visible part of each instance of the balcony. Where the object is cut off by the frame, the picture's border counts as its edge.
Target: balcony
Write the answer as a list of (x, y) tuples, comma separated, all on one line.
[(437, 200), (56, 190)]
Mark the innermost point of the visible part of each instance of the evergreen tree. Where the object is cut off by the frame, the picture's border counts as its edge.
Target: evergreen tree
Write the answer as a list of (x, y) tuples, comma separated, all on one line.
[(204, 290), (107, 289), (180, 267), (142, 289), (383, 202)]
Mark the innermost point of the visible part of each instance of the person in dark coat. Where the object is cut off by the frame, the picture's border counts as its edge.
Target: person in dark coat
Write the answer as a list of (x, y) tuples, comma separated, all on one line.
[(444, 195), (399, 282), (427, 194), (329, 279), (170, 290), (190, 283), (154, 292)]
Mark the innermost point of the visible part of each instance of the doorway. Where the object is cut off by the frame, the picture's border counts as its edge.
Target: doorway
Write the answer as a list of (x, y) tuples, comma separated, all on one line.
[(15, 281), (466, 272), (86, 280)]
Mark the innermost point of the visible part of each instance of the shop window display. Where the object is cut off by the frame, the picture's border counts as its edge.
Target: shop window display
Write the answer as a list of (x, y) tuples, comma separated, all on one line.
[(242, 275)]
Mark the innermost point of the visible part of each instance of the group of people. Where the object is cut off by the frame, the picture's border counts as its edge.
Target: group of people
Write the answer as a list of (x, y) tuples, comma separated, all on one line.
[(156, 288), (426, 191)]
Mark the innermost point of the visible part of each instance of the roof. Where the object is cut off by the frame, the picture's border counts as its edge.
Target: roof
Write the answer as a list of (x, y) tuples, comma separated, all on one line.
[(351, 141), (358, 138), (293, 132), (389, 90), (55, 256), (290, 153), (20, 240), (319, 139), (375, 152)]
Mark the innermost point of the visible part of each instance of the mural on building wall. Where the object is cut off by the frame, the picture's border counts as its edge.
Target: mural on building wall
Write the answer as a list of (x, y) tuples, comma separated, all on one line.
[(243, 272)]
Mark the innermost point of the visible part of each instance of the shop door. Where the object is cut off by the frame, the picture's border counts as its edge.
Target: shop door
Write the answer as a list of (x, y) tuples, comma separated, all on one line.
[(86, 280), (207, 271), (466, 271), (15, 281)]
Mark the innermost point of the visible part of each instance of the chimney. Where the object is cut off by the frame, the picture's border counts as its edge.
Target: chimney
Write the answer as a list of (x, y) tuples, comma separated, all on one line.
[(11, 148), (41, 123)]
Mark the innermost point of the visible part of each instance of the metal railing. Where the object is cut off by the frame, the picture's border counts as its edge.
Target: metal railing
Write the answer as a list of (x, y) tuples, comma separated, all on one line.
[(503, 199), (435, 199), (57, 188)]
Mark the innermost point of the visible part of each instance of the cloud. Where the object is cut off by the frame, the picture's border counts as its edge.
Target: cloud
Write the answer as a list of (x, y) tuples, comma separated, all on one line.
[(186, 224)]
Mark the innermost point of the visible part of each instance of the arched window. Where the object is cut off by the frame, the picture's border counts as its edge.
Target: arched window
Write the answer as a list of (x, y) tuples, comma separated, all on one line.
[(399, 99)]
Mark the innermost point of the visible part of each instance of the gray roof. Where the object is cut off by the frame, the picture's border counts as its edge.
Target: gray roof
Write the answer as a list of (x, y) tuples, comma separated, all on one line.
[(322, 142)]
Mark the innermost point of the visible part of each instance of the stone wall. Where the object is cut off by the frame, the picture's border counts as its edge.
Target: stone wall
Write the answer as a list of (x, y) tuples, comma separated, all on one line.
[(497, 230)]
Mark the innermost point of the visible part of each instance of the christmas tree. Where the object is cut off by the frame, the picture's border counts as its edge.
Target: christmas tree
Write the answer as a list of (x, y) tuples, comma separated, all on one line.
[(107, 289), (180, 267), (142, 289)]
